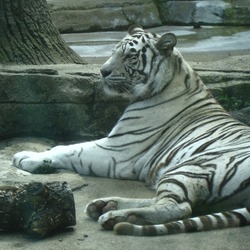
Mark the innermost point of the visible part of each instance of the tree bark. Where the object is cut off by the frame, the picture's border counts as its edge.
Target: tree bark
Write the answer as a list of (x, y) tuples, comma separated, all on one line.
[(28, 36), (38, 209)]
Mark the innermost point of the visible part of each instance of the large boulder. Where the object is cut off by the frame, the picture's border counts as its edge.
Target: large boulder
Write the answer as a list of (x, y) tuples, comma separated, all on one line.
[(220, 12), (99, 15), (55, 101), (77, 16), (191, 12)]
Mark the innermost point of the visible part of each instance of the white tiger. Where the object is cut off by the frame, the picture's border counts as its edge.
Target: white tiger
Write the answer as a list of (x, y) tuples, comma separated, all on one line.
[(173, 135)]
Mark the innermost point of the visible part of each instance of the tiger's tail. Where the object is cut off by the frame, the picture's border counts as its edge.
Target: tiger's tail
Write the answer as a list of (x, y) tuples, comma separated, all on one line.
[(234, 218)]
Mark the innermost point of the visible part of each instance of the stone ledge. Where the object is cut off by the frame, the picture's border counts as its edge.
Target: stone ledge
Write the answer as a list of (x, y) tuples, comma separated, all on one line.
[(66, 102)]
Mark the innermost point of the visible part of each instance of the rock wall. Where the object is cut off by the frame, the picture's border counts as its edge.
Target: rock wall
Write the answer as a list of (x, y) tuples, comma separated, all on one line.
[(56, 101), (220, 12), (96, 15), (78, 16), (65, 102)]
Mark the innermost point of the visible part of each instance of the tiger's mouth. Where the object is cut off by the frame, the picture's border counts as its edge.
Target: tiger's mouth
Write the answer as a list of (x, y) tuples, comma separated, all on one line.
[(114, 78), (116, 85)]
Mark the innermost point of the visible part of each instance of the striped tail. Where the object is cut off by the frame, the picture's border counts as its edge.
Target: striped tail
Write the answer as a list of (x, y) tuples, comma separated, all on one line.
[(233, 218)]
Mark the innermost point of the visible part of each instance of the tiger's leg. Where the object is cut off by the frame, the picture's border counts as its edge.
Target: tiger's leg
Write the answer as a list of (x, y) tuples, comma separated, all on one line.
[(98, 207), (89, 158), (176, 193), (164, 208), (160, 212)]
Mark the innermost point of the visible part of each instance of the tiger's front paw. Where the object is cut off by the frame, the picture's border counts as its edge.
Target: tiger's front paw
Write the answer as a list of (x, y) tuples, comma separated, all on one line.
[(32, 162)]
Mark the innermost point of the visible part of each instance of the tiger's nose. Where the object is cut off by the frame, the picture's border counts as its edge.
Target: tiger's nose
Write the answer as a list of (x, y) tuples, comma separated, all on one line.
[(105, 72)]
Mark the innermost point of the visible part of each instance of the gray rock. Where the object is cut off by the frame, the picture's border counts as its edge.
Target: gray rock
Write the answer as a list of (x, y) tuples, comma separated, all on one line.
[(204, 12), (76, 16), (98, 15), (190, 12), (65, 105)]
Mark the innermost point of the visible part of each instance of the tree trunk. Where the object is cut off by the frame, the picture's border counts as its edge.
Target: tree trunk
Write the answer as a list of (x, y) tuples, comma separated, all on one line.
[(38, 209), (28, 36)]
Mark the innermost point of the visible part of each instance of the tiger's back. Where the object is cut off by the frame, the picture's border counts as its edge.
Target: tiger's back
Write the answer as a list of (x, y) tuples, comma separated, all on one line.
[(174, 135)]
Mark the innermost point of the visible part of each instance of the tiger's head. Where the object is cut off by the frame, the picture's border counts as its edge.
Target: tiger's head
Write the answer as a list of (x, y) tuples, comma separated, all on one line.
[(141, 65)]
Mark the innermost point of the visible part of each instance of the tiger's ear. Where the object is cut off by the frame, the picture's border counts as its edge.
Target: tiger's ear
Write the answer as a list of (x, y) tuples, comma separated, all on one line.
[(134, 29), (166, 44)]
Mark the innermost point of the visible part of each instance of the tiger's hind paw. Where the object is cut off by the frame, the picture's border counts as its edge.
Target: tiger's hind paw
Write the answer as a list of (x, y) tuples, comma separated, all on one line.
[(97, 208), (112, 218)]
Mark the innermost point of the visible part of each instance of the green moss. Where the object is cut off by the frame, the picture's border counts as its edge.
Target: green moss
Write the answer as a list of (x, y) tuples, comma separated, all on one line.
[(230, 15), (232, 103), (156, 2)]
